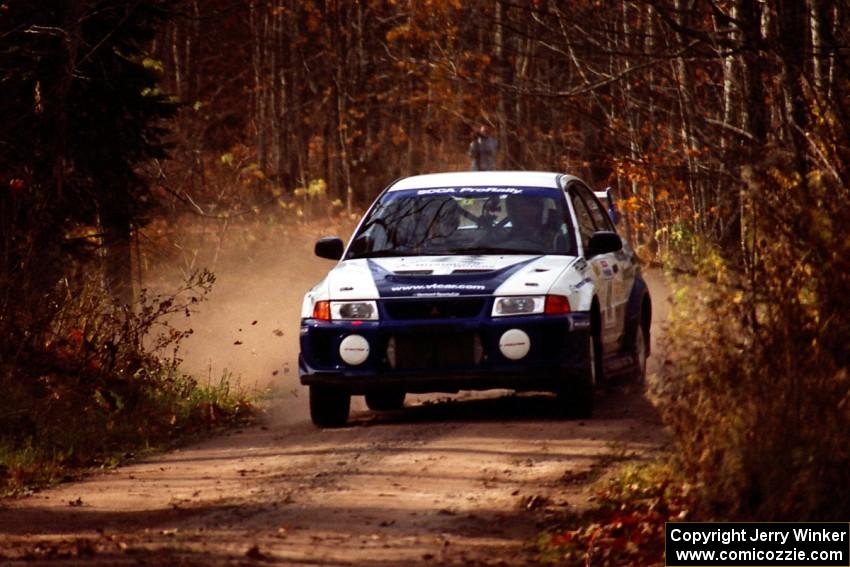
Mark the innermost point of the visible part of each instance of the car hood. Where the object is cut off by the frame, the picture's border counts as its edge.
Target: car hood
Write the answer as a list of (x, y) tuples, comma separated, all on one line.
[(430, 276)]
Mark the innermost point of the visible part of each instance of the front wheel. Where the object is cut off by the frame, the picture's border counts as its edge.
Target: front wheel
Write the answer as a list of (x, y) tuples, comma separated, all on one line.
[(640, 355), (388, 400), (329, 407), (577, 397)]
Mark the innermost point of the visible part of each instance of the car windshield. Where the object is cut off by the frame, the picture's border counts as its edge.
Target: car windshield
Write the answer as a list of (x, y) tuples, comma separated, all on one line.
[(463, 221)]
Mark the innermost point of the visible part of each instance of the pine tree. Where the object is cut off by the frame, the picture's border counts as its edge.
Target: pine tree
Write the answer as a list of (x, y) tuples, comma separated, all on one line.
[(82, 111)]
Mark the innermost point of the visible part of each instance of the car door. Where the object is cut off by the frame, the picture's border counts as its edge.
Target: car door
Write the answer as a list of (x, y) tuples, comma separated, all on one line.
[(602, 266), (620, 263)]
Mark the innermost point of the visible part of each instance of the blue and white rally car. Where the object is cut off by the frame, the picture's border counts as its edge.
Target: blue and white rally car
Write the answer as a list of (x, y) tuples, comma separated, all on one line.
[(474, 281)]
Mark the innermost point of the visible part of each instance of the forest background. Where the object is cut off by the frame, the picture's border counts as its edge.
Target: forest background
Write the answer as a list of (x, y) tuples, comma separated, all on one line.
[(722, 125)]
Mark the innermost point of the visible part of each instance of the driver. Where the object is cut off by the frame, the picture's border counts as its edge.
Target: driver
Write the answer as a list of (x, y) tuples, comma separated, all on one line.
[(526, 215), (445, 219)]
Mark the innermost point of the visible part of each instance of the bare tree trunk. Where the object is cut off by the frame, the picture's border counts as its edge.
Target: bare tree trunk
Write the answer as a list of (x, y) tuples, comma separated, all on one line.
[(684, 89), (258, 64), (298, 135), (273, 48), (117, 242), (755, 124), (195, 84), (630, 116), (342, 122), (793, 17), (504, 70), (831, 74), (73, 12), (175, 58), (731, 86)]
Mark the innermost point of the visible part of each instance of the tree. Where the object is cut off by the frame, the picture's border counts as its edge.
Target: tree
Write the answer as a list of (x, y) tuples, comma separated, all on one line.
[(83, 112)]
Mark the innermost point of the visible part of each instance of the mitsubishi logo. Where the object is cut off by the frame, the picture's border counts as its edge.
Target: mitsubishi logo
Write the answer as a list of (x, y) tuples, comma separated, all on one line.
[(435, 312)]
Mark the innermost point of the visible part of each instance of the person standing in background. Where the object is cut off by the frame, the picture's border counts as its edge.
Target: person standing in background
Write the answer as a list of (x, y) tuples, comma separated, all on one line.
[(482, 150)]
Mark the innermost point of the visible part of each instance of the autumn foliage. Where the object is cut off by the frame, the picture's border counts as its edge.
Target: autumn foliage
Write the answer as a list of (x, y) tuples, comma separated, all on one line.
[(722, 126)]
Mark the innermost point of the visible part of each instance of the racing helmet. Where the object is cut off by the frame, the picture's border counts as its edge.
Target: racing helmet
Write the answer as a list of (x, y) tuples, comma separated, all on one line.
[(524, 211)]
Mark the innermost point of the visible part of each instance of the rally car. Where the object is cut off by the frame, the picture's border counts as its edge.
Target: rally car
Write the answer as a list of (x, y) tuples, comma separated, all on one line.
[(474, 281)]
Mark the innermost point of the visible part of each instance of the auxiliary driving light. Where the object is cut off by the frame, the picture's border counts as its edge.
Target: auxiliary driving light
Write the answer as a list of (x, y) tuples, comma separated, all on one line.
[(514, 344), (354, 350)]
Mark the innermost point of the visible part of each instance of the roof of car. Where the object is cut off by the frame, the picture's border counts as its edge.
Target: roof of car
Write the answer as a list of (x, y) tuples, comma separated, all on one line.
[(483, 179)]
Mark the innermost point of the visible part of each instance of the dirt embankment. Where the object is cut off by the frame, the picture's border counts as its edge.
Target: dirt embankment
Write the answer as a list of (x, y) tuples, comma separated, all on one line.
[(464, 481)]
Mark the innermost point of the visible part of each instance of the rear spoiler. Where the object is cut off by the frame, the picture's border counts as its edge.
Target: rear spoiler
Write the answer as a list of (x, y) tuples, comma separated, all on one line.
[(607, 198)]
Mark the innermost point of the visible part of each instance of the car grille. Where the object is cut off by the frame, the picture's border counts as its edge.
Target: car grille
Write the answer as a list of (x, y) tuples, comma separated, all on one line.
[(423, 352), (408, 309)]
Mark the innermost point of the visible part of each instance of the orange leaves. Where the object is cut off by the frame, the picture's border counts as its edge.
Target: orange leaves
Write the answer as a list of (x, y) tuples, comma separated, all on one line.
[(703, 76), (629, 205), (398, 136), (398, 33), (635, 172), (626, 527), (75, 337), (313, 22), (314, 17), (613, 538)]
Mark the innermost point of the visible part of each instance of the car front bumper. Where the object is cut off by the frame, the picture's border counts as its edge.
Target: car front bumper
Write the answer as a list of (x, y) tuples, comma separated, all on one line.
[(446, 355)]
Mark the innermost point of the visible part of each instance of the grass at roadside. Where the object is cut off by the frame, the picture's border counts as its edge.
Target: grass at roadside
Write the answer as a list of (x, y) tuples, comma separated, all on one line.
[(81, 427), (626, 524)]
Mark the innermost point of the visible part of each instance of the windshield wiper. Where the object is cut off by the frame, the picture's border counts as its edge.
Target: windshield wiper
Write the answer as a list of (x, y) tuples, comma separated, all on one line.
[(473, 250), (382, 254), (467, 251)]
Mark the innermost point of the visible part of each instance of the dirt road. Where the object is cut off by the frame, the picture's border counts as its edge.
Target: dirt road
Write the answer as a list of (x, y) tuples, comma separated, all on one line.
[(461, 481), (451, 483)]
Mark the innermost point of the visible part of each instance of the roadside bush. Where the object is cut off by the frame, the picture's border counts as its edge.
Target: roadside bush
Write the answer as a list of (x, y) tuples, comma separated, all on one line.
[(756, 385), (99, 383)]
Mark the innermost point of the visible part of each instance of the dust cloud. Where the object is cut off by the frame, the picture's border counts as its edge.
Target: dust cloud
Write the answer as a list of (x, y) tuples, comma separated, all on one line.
[(247, 330)]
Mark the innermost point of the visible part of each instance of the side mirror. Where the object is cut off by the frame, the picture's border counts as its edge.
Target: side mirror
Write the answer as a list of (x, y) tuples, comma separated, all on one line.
[(330, 247), (603, 242)]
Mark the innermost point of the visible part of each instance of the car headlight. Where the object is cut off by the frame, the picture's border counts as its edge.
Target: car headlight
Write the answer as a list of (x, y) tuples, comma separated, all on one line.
[(531, 305), (354, 310), (518, 305)]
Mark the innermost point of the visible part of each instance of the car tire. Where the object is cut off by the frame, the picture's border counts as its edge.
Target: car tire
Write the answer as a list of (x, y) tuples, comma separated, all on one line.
[(385, 400), (577, 398), (641, 348), (329, 407)]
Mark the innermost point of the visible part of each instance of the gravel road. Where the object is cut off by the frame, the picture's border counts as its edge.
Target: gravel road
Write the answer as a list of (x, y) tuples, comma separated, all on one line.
[(467, 481)]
